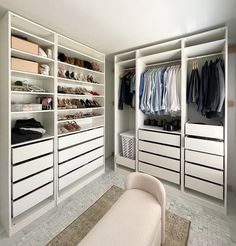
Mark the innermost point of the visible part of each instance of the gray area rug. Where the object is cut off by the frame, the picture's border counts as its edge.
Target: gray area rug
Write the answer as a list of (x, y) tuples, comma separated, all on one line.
[(177, 228)]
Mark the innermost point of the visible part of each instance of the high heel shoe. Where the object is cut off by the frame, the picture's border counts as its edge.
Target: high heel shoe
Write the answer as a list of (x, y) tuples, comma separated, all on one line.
[(96, 103), (61, 104)]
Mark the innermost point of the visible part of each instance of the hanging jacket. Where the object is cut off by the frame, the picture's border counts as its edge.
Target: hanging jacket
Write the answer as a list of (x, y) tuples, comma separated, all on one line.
[(203, 88), (125, 94)]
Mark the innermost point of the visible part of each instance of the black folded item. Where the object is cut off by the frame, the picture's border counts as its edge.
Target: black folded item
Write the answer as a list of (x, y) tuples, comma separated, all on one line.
[(61, 57), (28, 123), (20, 135), (147, 122), (88, 65)]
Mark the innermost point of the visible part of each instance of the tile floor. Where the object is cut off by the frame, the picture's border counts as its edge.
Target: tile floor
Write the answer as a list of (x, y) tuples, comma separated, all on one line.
[(208, 227)]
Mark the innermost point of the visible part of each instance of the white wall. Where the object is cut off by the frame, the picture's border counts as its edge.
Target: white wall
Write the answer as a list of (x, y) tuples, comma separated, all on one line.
[(109, 106), (232, 122)]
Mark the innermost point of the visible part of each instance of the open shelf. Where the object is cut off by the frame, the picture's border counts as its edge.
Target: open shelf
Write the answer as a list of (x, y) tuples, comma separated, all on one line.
[(44, 137), (78, 109), (33, 112), (70, 66), (166, 56), (84, 127), (205, 48), (80, 48), (28, 56), (127, 63), (31, 93), (131, 55), (73, 53), (79, 82), (160, 48), (204, 37), (31, 37), (76, 95), (30, 75), (80, 119)]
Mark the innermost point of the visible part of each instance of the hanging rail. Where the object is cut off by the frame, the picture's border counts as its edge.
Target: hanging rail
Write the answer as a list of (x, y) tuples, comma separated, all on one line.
[(163, 63), (129, 68)]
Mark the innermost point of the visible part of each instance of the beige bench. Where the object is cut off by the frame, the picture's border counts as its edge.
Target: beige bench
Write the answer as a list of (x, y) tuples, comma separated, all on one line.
[(136, 219)]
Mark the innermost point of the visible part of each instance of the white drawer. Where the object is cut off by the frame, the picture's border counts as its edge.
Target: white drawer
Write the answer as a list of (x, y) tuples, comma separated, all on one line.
[(207, 146), (77, 150), (204, 159), (160, 161), (201, 130), (206, 173), (68, 166), (160, 149), (80, 137), (23, 187), (159, 137), (207, 188), (79, 173), (32, 199), (31, 167), (31, 150), (160, 173), (126, 162)]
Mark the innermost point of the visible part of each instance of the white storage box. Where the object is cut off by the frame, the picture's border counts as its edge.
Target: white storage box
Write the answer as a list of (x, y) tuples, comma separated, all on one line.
[(128, 144)]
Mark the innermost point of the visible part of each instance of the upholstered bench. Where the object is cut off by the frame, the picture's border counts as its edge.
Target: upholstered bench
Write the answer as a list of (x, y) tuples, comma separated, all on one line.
[(136, 219)]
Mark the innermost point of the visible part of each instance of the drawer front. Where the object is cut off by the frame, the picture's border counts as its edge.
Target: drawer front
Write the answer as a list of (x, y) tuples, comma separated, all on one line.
[(160, 161), (209, 160), (160, 173), (126, 162), (206, 173), (207, 188), (201, 130), (80, 137), (23, 187), (207, 146), (31, 167), (79, 173), (32, 150), (32, 199), (159, 149), (159, 137), (77, 150), (80, 161)]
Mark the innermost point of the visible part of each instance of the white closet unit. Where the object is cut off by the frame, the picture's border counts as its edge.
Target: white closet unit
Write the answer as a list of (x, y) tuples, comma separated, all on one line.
[(37, 174), (206, 138), (194, 158), (125, 118), (80, 154)]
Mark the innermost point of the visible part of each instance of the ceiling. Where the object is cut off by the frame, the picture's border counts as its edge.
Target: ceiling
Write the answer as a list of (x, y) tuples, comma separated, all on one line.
[(114, 25)]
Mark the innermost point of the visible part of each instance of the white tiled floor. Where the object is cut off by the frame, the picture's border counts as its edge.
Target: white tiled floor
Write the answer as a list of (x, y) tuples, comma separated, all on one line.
[(208, 227)]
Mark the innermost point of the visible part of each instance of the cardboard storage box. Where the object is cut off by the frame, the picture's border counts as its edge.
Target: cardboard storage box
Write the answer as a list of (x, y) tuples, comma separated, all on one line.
[(23, 45), (24, 65)]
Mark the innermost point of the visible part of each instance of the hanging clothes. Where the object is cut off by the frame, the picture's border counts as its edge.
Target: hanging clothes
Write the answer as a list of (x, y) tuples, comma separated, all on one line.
[(160, 90), (127, 89), (193, 86), (208, 92)]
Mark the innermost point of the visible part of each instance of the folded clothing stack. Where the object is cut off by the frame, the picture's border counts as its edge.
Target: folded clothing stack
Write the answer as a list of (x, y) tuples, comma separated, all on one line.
[(25, 130)]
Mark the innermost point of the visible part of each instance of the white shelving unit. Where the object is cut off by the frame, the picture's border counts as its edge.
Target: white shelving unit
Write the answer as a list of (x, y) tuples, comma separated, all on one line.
[(31, 180), (179, 158), (124, 119)]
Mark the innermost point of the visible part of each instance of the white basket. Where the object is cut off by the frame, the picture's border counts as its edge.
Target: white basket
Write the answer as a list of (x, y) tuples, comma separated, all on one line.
[(128, 144)]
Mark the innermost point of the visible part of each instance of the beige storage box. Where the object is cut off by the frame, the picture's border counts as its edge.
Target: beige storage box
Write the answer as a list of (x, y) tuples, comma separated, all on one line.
[(24, 45), (24, 65)]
